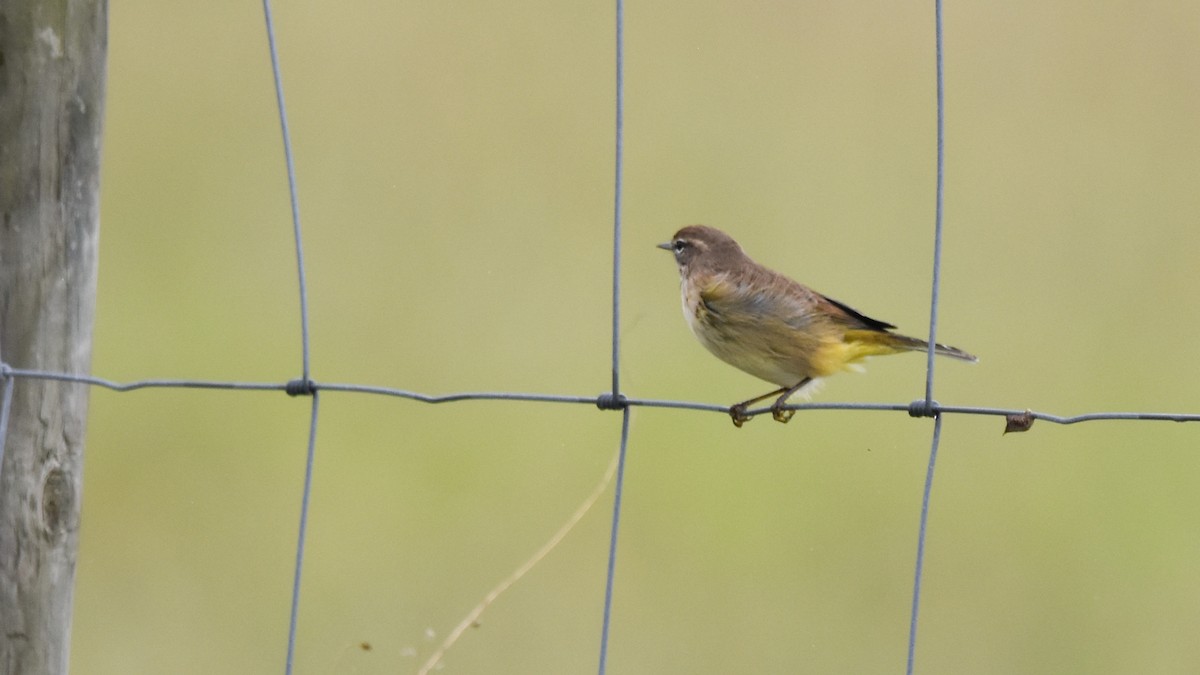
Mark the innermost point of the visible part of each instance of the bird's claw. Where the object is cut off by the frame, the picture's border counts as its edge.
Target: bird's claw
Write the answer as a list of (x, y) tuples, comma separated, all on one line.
[(738, 413)]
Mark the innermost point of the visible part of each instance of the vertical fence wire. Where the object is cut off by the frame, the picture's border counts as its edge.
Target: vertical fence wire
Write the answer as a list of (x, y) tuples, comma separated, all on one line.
[(7, 382), (619, 488), (921, 530), (923, 523), (305, 384), (938, 208), (294, 614), (293, 192), (618, 178), (616, 400)]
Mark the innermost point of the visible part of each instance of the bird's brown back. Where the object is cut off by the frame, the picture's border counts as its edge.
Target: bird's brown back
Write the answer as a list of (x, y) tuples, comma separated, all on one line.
[(724, 273)]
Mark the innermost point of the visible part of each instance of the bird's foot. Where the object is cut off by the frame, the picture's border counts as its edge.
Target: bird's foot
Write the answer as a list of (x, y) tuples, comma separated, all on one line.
[(780, 414), (738, 413)]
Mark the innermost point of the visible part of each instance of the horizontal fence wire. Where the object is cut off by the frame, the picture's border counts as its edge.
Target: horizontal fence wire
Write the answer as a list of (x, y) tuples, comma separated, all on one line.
[(914, 409), (1016, 418)]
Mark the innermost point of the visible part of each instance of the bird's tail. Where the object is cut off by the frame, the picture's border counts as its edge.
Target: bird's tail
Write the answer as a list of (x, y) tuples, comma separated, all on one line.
[(881, 342)]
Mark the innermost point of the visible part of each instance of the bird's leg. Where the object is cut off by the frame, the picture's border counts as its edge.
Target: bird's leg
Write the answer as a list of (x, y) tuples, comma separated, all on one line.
[(777, 410), (738, 410)]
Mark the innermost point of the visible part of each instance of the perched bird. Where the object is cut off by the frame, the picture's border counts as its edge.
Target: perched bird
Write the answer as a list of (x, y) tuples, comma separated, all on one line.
[(776, 329)]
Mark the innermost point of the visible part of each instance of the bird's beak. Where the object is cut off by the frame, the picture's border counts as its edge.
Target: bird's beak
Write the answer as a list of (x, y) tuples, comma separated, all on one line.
[(665, 246)]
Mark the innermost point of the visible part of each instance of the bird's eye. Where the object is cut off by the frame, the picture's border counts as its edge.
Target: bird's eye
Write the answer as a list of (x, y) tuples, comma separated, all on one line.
[(680, 245)]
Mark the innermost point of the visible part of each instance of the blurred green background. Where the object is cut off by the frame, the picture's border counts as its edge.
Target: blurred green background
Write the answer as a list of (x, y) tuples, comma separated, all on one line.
[(455, 165)]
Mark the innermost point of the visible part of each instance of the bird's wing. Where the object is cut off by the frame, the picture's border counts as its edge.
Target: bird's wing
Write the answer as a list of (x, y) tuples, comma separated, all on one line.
[(773, 296), (734, 300), (850, 317)]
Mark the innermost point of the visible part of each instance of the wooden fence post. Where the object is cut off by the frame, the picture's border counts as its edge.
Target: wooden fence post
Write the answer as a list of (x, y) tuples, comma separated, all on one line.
[(52, 74)]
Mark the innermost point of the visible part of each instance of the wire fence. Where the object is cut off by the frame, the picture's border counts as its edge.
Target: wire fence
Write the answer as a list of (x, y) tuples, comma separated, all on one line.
[(612, 400)]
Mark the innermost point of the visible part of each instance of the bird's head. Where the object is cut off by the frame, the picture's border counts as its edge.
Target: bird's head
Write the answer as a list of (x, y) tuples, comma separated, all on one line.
[(698, 246)]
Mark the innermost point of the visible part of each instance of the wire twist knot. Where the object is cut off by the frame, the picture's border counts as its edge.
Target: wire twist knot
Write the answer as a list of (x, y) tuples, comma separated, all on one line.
[(610, 401), (924, 407), (301, 387)]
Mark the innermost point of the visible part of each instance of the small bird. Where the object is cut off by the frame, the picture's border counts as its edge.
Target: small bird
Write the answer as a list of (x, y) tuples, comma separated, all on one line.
[(770, 326)]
